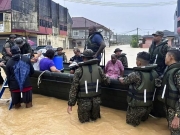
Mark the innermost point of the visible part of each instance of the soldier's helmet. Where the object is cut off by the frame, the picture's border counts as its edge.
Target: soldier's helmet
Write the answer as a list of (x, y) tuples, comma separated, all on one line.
[(12, 36), (19, 41), (88, 53)]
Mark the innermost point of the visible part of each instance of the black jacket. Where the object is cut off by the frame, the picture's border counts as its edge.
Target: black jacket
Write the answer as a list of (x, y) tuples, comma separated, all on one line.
[(13, 84)]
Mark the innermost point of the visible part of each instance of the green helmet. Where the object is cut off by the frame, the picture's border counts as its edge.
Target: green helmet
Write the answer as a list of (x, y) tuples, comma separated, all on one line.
[(88, 53)]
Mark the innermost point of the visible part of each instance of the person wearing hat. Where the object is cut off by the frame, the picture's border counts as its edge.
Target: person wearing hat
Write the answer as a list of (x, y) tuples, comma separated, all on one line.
[(62, 54), (141, 89), (121, 56), (24, 46), (6, 50), (85, 88), (18, 70), (157, 51)]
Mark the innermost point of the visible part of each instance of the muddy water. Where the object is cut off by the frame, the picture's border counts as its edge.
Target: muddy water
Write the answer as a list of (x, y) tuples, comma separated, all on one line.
[(48, 116)]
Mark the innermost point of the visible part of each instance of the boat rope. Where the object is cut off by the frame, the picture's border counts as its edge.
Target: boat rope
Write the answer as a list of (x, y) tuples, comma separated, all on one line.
[(39, 78)]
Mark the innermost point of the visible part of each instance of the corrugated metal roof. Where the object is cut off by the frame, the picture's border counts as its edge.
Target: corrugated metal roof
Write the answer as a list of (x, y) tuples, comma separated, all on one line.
[(5, 5)]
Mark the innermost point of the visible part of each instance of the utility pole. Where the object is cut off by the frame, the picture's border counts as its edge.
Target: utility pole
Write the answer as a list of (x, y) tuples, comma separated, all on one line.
[(85, 32), (137, 37), (109, 36), (116, 38)]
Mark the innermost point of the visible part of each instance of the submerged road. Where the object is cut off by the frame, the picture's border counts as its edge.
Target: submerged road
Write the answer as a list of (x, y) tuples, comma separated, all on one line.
[(48, 116)]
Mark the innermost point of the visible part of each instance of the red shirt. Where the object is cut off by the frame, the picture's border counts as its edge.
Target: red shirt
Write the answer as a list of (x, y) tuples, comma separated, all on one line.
[(24, 89)]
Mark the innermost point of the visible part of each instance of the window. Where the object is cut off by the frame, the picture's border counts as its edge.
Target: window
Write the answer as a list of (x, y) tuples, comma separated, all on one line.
[(61, 27), (178, 24), (1, 16), (75, 33), (65, 28)]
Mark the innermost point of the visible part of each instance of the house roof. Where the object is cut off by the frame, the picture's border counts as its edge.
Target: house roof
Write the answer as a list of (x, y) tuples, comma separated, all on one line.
[(168, 33), (5, 5), (81, 22), (147, 36)]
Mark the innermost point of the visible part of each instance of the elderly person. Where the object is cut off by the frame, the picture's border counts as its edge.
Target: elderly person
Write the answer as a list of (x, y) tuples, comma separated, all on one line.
[(114, 68), (47, 63), (76, 58)]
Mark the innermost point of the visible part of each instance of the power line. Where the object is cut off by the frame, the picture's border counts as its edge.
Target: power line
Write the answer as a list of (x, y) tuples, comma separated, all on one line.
[(118, 4)]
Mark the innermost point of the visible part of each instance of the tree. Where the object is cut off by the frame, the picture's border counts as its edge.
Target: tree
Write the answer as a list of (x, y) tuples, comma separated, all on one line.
[(134, 41)]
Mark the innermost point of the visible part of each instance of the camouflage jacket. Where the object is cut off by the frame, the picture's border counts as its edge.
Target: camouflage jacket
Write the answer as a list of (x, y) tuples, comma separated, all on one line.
[(75, 85), (177, 83), (133, 78), (123, 59)]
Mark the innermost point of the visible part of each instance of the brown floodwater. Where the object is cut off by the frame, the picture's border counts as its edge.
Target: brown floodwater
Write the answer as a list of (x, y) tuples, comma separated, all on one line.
[(48, 116)]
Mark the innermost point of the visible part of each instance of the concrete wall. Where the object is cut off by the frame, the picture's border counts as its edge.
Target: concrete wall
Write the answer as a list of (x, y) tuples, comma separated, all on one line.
[(55, 41), (149, 42)]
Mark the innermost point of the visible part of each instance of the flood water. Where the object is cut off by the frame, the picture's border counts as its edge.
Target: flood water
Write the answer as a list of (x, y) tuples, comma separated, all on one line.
[(48, 116)]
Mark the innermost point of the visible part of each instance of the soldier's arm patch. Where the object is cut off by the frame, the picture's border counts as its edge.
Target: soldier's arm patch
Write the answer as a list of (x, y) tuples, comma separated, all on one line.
[(132, 78)]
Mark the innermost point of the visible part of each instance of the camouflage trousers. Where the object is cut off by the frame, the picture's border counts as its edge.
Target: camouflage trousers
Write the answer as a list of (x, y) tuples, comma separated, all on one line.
[(170, 117), (137, 114), (88, 109)]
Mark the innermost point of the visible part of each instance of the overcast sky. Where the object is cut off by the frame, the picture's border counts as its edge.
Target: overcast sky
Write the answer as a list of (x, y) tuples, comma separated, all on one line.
[(122, 19)]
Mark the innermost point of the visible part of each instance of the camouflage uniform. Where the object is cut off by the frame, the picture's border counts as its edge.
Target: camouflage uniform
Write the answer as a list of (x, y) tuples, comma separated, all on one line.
[(88, 108), (136, 114), (153, 50), (171, 112), (123, 59), (5, 56)]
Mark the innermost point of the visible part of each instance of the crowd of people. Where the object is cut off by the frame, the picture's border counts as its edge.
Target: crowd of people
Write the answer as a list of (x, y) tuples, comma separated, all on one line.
[(156, 77)]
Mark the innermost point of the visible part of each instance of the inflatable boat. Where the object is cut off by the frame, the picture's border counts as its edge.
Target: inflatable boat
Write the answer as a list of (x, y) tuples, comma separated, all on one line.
[(58, 85)]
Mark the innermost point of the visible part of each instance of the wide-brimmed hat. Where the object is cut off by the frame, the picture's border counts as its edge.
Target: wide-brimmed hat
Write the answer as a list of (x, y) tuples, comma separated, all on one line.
[(117, 50)]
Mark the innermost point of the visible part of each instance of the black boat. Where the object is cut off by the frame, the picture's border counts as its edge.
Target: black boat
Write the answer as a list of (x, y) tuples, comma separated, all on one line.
[(58, 85)]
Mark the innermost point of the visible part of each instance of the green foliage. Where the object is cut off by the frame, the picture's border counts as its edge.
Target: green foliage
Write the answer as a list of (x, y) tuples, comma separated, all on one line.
[(134, 41)]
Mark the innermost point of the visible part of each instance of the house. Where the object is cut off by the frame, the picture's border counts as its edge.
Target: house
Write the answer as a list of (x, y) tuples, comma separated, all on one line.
[(43, 21), (177, 23), (80, 31), (147, 39)]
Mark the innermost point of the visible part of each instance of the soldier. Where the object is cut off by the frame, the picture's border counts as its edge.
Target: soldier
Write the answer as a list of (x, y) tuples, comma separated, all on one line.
[(7, 47), (85, 88), (95, 42), (60, 53), (141, 89), (121, 56), (170, 90), (24, 46), (158, 50)]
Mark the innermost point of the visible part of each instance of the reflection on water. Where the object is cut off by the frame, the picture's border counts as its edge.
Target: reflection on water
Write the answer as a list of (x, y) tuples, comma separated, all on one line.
[(48, 116)]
